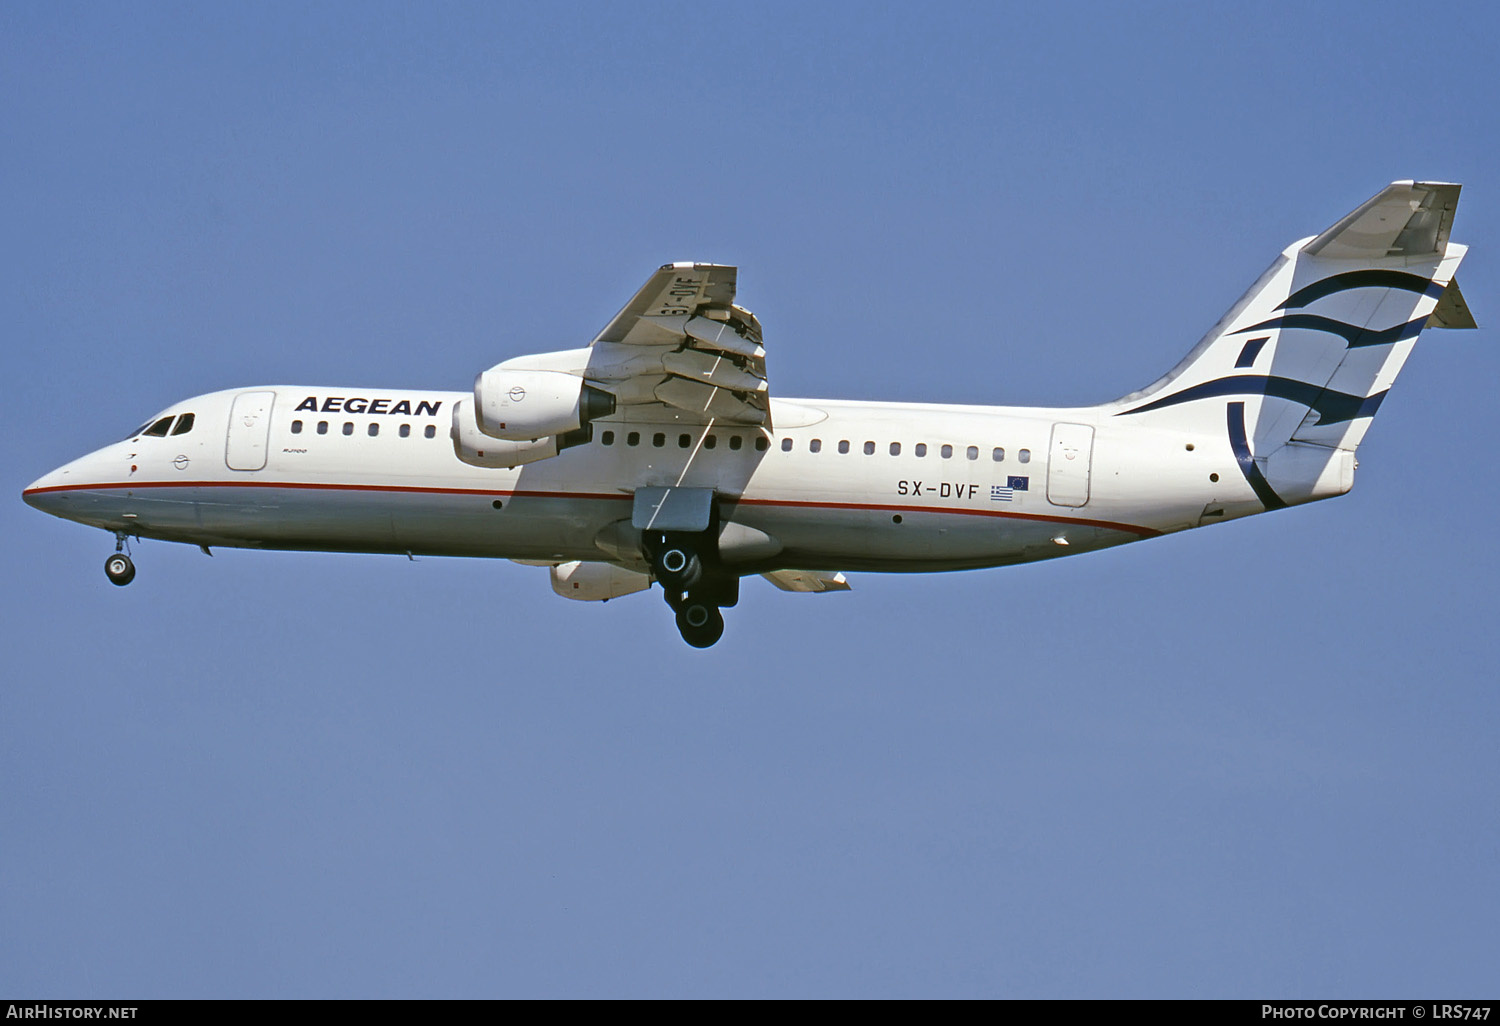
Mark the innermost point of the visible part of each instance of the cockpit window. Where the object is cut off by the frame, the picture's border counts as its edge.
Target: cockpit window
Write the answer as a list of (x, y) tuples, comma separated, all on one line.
[(184, 424), (159, 429)]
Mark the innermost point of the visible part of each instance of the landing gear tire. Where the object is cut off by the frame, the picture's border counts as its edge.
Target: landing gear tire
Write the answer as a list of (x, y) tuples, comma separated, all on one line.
[(119, 569), (678, 567), (701, 624)]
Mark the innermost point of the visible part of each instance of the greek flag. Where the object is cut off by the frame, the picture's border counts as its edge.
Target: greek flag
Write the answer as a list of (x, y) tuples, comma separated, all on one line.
[(1007, 491)]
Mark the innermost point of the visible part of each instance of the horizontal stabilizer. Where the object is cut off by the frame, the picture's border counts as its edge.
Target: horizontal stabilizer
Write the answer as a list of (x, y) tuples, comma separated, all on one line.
[(807, 580), (1405, 219), (1451, 311)]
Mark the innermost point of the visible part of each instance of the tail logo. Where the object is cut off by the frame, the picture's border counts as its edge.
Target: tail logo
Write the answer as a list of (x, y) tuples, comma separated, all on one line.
[(1239, 443), (1353, 334), (1366, 279), (1332, 407)]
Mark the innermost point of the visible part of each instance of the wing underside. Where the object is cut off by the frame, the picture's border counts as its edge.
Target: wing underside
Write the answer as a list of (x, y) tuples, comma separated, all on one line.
[(682, 343)]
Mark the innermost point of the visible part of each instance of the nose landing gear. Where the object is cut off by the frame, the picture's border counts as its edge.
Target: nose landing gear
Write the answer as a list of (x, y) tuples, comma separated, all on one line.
[(119, 568)]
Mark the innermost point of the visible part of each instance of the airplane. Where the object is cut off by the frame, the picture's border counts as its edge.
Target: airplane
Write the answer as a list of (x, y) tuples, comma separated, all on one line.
[(657, 455)]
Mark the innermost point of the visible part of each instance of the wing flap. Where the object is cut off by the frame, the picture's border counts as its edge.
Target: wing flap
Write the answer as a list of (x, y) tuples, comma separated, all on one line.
[(714, 369), (709, 402), (718, 335)]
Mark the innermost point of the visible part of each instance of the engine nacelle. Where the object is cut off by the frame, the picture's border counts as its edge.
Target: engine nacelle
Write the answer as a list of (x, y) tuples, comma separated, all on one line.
[(518, 404), (478, 449), (596, 582)]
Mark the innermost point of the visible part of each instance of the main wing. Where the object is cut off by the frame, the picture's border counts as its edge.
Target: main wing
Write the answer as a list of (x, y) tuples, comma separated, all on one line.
[(682, 343)]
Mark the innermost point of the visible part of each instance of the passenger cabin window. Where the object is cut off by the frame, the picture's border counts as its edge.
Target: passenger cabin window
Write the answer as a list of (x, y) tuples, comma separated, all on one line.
[(921, 449), (786, 445), (844, 446), (998, 455), (947, 451), (816, 445), (608, 438), (869, 448), (710, 441), (735, 441), (374, 428), (159, 429), (658, 439), (429, 431), (972, 452), (296, 427), (762, 443), (185, 424), (634, 438), (405, 431), (322, 427), (683, 441), (348, 427), (1024, 455), (895, 448)]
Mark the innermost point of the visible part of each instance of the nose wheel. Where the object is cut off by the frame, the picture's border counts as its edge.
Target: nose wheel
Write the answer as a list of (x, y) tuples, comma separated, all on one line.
[(119, 569)]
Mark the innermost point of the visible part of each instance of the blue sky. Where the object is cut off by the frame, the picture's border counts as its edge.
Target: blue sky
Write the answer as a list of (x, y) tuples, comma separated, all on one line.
[(1253, 760)]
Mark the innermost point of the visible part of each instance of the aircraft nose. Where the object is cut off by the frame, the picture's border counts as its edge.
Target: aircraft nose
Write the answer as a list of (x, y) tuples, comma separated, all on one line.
[(46, 492)]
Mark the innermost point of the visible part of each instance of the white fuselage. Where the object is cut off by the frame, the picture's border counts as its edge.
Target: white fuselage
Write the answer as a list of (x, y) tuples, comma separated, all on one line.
[(839, 485)]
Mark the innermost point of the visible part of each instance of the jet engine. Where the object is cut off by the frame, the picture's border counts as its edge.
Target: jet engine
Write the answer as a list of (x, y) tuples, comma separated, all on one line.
[(478, 449), (596, 582), (519, 404)]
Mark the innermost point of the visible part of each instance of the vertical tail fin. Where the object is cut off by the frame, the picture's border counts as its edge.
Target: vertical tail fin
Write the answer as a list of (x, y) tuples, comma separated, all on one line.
[(1306, 357)]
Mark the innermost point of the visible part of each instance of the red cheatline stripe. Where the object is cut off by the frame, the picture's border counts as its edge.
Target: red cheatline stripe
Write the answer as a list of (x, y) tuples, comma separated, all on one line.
[(1144, 532), (135, 485)]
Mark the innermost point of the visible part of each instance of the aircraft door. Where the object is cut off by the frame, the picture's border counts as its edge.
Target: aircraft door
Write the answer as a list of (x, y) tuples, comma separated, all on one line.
[(1068, 464), (249, 430)]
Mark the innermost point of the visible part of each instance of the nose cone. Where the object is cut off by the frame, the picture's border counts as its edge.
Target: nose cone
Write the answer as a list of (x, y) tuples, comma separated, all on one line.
[(45, 493)]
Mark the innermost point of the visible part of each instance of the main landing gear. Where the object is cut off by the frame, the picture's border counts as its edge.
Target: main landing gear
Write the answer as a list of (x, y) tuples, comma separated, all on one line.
[(119, 568), (693, 591), (701, 624)]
